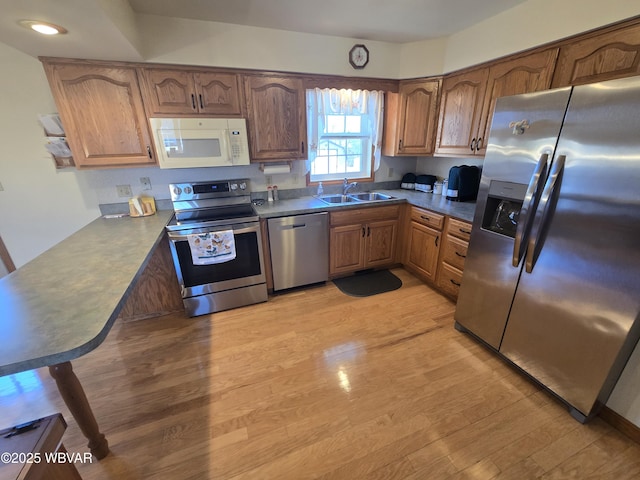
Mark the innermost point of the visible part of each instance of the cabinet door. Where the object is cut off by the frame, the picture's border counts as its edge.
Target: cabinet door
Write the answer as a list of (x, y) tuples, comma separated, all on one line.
[(169, 91), (598, 58), (346, 247), (277, 118), (412, 118), (528, 74), (422, 255), (380, 243), (217, 93), (102, 113), (460, 112)]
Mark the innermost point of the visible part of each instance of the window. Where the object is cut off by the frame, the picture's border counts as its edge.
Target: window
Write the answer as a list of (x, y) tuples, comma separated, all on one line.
[(345, 129)]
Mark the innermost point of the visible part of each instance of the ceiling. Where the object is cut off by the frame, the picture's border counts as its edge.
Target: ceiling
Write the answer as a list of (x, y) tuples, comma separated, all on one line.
[(106, 29), (397, 21)]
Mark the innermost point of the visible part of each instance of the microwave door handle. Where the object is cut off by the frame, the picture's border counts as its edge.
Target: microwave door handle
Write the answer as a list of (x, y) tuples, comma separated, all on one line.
[(546, 206), (226, 140), (527, 212)]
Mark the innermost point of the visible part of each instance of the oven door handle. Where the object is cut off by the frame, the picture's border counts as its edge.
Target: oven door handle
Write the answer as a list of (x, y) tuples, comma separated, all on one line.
[(177, 236)]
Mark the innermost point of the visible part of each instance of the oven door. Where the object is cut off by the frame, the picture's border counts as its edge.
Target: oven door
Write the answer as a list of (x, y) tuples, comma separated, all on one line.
[(245, 270)]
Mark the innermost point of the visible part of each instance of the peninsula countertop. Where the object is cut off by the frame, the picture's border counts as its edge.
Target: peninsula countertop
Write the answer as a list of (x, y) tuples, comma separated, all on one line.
[(62, 304)]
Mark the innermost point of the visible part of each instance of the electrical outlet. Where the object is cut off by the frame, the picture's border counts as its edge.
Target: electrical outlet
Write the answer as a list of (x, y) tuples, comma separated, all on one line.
[(1, 188), (268, 179), (146, 183), (124, 190), (390, 172)]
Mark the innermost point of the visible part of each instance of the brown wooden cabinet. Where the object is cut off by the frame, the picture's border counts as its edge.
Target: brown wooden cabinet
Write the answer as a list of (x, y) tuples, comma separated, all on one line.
[(600, 57), (102, 113), (453, 255), (460, 112), (468, 99), (169, 92), (411, 118), (276, 117), (362, 238), (423, 243)]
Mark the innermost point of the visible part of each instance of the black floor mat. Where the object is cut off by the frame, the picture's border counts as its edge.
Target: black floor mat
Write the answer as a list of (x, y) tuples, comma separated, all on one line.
[(368, 283)]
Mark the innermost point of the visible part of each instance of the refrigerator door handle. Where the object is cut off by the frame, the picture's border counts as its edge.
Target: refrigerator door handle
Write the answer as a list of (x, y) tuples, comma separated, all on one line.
[(527, 212), (546, 204)]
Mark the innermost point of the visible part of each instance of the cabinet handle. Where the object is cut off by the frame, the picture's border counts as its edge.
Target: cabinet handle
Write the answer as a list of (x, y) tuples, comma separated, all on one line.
[(193, 101), (363, 231), (437, 239), (460, 255), (466, 232), (400, 144), (302, 147), (368, 231), (424, 218), (479, 144), (454, 282), (149, 152), (473, 144), (201, 104)]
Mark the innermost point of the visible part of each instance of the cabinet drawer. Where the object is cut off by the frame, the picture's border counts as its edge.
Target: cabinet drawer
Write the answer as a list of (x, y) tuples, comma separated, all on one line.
[(427, 217), (459, 228), (455, 251), (365, 215), (449, 279)]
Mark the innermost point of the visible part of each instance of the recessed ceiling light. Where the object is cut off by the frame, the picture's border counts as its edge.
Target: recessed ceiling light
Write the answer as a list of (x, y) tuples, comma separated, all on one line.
[(43, 27)]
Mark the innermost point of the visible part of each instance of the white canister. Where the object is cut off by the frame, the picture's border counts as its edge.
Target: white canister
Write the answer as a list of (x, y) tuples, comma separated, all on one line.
[(445, 186), (437, 188)]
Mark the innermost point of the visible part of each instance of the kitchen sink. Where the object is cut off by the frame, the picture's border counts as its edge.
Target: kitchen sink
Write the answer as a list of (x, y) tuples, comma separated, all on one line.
[(335, 199), (370, 196)]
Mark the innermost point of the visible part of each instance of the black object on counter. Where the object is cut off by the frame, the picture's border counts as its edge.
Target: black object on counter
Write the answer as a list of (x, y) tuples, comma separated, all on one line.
[(464, 181), (408, 181)]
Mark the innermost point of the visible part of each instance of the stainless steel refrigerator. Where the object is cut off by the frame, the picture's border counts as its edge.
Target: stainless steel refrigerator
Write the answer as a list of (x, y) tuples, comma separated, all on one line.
[(552, 274)]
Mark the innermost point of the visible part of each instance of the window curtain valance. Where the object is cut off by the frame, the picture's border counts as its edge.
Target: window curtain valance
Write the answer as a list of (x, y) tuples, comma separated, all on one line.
[(327, 101)]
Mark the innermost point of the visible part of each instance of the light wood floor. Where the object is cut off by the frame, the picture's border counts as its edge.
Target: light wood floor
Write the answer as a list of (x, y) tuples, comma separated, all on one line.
[(316, 384)]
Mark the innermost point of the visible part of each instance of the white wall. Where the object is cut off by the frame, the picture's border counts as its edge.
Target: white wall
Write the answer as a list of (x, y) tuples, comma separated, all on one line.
[(530, 24), (196, 42), (39, 205)]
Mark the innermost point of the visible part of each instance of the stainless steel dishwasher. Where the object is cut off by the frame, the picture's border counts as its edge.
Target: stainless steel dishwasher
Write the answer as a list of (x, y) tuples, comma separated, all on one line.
[(299, 250)]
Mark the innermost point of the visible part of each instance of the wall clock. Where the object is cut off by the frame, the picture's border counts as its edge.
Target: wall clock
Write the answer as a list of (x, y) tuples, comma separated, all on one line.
[(359, 56)]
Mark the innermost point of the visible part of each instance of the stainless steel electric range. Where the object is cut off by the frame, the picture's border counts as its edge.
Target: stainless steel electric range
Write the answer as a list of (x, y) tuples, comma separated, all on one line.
[(216, 211)]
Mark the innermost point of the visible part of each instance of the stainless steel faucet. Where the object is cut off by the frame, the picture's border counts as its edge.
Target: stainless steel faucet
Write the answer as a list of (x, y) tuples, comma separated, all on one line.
[(346, 186)]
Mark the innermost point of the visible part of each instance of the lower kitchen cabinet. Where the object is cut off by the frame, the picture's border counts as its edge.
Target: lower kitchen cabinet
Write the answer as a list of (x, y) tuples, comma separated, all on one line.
[(453, 255), (362, 238), (423, 243)]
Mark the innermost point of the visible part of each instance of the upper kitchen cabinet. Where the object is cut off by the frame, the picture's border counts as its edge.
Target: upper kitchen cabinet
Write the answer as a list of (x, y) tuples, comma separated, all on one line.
[(604, 56), (468, 99), (460, 110), (276, 117), (170, 92), (102, 113), (411, 118)]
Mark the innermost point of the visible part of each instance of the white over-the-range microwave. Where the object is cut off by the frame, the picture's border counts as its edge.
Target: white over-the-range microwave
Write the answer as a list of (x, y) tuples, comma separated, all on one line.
[(200, 142)]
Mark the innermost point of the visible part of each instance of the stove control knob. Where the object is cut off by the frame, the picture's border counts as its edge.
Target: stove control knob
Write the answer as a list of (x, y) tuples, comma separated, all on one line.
[(187, 190), (177, 191), (234, 186), (243, 186)]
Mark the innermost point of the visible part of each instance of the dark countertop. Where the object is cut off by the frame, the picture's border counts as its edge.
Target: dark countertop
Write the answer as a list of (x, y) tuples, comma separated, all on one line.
[(437, 203), (62, 304)]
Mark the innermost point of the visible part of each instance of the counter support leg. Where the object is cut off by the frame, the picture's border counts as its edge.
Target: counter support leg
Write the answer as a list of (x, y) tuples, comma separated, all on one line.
[(76, 400)]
